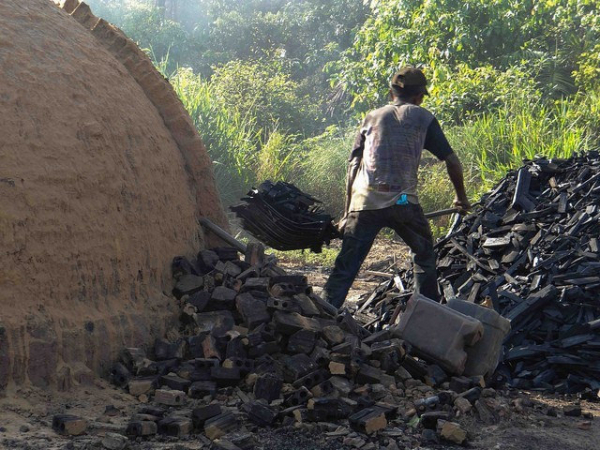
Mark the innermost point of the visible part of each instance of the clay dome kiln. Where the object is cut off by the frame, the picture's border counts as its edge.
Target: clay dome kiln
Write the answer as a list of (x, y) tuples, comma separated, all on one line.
[(102, 181)]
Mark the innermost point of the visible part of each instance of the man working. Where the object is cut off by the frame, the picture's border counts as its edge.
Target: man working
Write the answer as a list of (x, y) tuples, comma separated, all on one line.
[(382, 185)]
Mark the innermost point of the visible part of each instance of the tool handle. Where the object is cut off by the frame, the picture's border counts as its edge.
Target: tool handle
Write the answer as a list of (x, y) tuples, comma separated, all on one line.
[(442, 212), (224, 235)]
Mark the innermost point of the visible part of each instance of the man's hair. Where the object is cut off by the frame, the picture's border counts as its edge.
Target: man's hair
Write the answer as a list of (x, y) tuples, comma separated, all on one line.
[(407, 91)]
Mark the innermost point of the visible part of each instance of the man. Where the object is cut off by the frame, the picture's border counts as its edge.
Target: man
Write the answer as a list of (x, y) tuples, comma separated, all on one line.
[(382, 185)]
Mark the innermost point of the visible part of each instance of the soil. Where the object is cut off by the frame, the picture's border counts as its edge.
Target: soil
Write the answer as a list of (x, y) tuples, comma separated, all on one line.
[(385, 255), (26, 415)]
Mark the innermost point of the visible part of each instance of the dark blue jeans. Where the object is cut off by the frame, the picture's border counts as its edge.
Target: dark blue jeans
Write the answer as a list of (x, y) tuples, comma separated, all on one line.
[(361, 229)]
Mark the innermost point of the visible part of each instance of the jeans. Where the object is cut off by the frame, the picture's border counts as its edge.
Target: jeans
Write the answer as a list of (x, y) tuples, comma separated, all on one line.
[(361, 229)]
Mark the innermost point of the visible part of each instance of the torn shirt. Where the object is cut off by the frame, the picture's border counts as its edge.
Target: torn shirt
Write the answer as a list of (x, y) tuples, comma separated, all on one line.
[(391, 141)]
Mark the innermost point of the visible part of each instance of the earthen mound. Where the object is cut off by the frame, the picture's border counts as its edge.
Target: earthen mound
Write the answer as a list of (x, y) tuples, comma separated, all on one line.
[(102, 180)]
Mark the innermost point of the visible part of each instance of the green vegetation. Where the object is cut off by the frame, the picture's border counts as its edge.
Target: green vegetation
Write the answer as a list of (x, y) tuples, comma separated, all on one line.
[(277, 88), (520, 131), (231, 136), (307, 258)]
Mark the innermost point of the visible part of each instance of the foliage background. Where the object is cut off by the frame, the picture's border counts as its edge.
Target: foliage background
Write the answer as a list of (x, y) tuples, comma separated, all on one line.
[(277, 88)]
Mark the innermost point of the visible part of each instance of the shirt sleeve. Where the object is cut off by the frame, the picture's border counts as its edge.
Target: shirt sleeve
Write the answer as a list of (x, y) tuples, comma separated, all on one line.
[(358, 146), (436, 142)]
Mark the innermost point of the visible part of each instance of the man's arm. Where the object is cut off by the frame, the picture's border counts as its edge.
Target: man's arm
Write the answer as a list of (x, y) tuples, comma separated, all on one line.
[(353, 166), (455, 172), (436, 143)]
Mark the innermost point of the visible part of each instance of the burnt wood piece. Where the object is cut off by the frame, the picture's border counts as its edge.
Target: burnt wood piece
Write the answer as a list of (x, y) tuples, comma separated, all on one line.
[(141, 428), (297, 397), (312, 379), (175, 426), (188, 285), (261, 414), (202, 414), (199, 300), (222, 298), (268, 387), (297, 366), (328, 409), (369, 420), (236, 348), (220, 425), (282, 304), (200, 389), (253, 311), (307, 305), (175, 382), (302, 341), (224, 376), (521, 199), (289, 323), (70, 425), (531, 304), (244, 365)]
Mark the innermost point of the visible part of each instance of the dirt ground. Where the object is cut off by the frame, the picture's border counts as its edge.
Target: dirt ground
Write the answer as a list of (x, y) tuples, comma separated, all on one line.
[(529, 424), (26, 417), (385, 254)]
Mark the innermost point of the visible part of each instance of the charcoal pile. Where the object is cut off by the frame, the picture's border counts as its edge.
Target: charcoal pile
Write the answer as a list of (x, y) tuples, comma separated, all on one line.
[(530, 251), (285, 218), (258, 349)]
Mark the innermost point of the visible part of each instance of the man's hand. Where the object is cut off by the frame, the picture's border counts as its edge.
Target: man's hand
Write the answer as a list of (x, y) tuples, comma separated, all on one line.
[(341, 225), (455, 172), (462, 203)]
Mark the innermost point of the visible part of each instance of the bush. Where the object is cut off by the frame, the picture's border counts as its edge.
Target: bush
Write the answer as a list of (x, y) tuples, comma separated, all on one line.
[(324, 165), (263, 90), (587, 75), (465, 93), (446, 34)]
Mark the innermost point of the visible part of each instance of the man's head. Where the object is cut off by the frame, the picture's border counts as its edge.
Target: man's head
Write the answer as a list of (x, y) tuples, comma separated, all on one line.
[(409, 84)]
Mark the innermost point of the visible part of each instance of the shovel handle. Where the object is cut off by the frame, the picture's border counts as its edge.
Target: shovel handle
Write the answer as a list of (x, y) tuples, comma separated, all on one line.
[(224, 235), (442, 212)]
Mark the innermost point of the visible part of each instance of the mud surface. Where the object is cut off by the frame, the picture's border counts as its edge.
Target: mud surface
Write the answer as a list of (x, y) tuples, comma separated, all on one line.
[(96, 197)]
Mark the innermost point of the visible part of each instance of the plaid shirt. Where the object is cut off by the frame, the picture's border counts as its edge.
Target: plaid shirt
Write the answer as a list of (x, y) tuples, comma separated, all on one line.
[(391, 140)]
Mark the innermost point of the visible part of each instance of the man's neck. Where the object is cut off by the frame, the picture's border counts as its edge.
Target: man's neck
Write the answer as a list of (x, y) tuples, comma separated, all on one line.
[(410, 100)]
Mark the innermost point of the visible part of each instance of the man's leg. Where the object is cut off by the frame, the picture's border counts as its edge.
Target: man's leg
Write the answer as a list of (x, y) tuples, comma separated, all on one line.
[(412, 226), (360, 232)]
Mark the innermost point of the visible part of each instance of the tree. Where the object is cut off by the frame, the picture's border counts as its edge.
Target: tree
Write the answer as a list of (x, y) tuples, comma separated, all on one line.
[(263, 89), (545, 37)]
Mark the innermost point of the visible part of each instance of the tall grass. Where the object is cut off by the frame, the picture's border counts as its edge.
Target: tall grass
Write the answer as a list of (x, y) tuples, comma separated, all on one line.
[(231, 139), (277, 158), (243, 154), (501, 141), (322, 170)]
